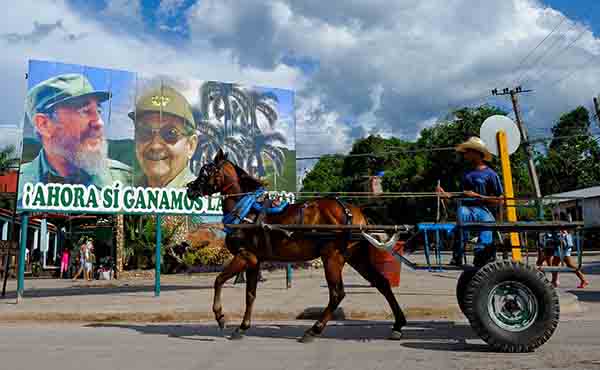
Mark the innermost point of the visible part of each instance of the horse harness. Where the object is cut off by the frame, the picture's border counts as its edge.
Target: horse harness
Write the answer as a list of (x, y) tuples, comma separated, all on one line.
[(257, 215)]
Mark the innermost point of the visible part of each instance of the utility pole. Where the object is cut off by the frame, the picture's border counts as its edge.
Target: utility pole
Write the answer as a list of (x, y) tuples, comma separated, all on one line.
[(597, 109), (528, 149)]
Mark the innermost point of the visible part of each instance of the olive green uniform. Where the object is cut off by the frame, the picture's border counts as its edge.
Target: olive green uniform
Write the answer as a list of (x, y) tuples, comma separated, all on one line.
[(180, 181), (39, 170), (166, 100)]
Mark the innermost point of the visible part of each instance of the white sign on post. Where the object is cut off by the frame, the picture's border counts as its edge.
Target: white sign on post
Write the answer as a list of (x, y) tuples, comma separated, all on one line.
[(489, 131)]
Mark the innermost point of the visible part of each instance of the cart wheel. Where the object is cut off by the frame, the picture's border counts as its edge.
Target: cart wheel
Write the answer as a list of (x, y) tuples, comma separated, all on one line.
[(512, 306), (461, 287)]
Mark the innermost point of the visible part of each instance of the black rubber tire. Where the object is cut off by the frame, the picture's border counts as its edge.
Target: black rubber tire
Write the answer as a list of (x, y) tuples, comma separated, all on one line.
[(461, 287), (504, 340)]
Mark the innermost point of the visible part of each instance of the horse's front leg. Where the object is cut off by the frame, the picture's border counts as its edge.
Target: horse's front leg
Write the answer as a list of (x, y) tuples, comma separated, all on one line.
[(251, 283), (237, 264)]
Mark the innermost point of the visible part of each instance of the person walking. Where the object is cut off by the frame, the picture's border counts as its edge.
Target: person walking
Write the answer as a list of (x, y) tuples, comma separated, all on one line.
[(82, 247), (90, 258), (64, 262), (565, 242)]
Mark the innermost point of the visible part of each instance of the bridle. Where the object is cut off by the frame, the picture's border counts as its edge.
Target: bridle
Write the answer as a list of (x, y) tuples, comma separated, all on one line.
[(210, 170)]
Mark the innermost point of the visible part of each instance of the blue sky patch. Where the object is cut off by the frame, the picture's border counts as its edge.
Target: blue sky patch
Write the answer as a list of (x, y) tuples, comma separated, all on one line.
[(584, 11)]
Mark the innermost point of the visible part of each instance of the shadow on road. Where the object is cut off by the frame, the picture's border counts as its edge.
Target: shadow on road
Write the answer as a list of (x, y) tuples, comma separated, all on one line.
[(101, 290), (586, 295), (436, 336), (590, 268)]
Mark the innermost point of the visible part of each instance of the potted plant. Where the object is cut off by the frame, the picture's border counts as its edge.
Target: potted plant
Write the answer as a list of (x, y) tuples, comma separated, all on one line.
[(106, 268)]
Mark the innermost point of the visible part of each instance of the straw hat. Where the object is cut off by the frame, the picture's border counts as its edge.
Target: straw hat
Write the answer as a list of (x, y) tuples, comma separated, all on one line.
[(477, 144)]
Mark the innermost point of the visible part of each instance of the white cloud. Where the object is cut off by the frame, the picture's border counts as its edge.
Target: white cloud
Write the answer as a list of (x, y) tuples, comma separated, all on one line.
[(169, 8), (422, 57), (319, 131), (126, 9), (384, 67), (10, 135), (103, 48)]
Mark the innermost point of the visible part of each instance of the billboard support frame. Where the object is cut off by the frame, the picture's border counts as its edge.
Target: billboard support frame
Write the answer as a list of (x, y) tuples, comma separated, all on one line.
[(23, 246), (158, 255)]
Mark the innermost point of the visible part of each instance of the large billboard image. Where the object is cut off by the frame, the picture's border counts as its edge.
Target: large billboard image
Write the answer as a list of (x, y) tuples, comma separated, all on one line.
[(104, 140)]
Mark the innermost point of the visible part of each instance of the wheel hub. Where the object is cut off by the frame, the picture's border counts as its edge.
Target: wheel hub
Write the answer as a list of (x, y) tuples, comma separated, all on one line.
[(512, 306)]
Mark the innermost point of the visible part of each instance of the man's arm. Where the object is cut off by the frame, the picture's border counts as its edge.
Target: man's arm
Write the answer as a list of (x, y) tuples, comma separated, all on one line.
[(442, 192), (495, 187), (491, 200)]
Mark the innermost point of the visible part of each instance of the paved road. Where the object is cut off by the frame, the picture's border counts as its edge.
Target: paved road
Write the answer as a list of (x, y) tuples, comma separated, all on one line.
[(347, 345)]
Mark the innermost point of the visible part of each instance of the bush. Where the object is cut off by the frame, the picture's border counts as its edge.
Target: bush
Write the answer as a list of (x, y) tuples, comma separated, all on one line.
[(213, 254)]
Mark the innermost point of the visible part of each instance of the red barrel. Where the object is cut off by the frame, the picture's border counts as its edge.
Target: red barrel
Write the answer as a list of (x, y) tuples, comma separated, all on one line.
[(386, 263)]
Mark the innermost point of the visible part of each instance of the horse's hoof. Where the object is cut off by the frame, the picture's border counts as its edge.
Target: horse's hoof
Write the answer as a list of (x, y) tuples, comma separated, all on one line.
[(308, 337), (238, 334), (221, 322), (396, 335)]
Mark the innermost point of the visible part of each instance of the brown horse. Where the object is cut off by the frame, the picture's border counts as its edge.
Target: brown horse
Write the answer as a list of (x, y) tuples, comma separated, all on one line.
[(252, 246)]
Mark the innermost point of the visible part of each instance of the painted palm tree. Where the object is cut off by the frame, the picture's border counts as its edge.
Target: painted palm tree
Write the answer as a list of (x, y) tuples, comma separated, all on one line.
[(212, 138), (259, 145), (227, 103), (230, 119), (214, 96), (263, 104), (257, 140)]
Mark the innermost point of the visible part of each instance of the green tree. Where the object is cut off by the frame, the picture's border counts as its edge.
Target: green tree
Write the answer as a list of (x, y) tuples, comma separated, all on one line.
[(325, 176), (140, 240), (448, 166), (8, 159), (572, 156), (413, 166)]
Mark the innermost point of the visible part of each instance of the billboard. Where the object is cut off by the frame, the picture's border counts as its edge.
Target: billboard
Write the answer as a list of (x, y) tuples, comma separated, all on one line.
[(105, 140)]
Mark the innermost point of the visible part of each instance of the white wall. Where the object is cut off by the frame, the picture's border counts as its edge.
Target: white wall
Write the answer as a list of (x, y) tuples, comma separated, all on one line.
[(591, 212)]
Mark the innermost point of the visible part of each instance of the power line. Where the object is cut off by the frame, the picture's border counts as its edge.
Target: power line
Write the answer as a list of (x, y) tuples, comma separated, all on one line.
[(437, 149), (380, 154), (569, 75), (564, 137), (562, 51), (486, 96), (540, 57), (540, 43)]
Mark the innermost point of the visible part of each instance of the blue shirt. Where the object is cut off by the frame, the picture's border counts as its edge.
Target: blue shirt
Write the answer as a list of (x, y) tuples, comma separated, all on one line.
[(482, 181)]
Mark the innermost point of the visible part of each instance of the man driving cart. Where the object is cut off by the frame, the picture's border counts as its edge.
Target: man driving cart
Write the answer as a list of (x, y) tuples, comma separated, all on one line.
[(481, 189)]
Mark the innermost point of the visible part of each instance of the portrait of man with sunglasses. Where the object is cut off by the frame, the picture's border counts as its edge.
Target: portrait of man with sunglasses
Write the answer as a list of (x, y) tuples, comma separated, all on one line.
[(165, 138), (66, 114)]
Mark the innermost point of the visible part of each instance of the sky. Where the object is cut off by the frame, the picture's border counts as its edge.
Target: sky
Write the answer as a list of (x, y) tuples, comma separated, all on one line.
[(357, 68)]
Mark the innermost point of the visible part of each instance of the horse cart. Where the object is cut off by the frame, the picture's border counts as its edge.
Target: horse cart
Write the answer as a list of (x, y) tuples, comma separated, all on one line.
[(510, 304)]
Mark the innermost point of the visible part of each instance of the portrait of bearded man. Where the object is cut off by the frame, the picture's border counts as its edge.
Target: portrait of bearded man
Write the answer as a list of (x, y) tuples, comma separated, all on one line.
[(66, 114)]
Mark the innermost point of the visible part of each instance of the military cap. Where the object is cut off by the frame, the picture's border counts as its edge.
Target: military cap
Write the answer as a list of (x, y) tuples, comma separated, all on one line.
[(60, 89), (167, 100)]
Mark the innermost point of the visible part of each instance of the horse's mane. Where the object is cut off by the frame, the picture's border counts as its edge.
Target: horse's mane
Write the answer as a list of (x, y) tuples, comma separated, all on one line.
[(247, 182)]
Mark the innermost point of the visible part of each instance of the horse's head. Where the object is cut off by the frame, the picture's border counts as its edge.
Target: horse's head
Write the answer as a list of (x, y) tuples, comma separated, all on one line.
[(214, 177)]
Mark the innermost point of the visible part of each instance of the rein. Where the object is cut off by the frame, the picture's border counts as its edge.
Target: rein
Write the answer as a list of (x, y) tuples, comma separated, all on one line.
[(226, 187)]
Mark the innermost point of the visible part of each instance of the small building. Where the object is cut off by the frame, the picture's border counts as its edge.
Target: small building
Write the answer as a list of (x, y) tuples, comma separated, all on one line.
[(580, 205), (8, 182), (42, 239)]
